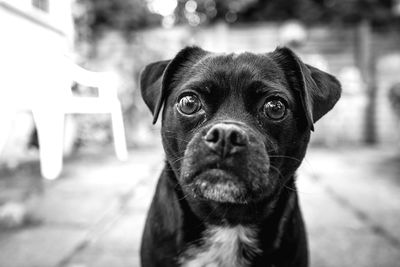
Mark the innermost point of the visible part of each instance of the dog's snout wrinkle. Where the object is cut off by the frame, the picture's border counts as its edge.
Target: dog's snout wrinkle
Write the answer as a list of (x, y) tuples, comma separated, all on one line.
[(226, 139)]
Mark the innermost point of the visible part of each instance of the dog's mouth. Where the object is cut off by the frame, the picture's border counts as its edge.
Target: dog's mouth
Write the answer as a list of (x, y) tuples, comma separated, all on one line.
[(219, 186), (228, 164), (239, 183)]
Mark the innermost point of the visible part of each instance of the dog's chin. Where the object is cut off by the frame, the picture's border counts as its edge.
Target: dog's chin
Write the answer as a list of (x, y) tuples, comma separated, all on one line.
[(218, 185)]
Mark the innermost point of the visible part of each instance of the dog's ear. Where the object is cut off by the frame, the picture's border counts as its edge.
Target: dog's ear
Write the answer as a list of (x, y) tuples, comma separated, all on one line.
[(157, 77), (150, 83), (318, 90)]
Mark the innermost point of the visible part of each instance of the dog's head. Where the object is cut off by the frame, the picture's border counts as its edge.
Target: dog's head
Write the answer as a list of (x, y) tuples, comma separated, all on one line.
[(235, 126)]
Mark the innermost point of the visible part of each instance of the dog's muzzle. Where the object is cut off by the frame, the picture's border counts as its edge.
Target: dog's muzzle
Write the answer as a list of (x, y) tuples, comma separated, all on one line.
[(225, 163)]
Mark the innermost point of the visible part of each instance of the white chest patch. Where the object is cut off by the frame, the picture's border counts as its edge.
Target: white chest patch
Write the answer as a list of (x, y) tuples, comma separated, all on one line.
[(223, 247)]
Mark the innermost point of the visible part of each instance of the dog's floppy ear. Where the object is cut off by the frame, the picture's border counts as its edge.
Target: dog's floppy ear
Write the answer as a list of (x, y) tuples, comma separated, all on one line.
[(157, 77), (319, 91), (150, 84)]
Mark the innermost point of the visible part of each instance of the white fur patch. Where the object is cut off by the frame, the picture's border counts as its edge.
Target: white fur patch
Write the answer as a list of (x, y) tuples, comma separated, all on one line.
[(223, 247)]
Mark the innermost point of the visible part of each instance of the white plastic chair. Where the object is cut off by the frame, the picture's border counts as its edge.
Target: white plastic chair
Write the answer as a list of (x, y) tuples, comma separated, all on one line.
[(51, 98)]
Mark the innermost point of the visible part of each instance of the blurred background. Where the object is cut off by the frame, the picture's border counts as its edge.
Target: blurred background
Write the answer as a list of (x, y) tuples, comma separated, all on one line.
[(79, 157)]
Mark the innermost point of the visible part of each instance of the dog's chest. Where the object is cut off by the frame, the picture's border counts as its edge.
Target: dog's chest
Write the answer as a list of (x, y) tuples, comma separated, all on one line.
[(223, 247)]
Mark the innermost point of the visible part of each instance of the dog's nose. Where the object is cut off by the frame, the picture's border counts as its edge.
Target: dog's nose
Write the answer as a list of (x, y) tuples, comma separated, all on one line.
[(226, 139)]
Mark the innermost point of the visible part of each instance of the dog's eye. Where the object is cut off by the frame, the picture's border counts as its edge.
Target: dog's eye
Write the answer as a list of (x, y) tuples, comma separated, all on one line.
[(189, 104), (274, 109)]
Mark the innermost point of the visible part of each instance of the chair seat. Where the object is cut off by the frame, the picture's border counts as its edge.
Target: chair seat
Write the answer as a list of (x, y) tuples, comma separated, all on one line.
[(48, 96)]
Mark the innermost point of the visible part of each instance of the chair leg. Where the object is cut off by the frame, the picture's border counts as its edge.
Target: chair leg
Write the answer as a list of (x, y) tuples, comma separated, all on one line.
[(119, 133), (50, 127)]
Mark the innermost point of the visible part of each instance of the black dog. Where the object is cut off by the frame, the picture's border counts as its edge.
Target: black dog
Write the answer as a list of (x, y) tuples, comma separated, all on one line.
[(235, 128)]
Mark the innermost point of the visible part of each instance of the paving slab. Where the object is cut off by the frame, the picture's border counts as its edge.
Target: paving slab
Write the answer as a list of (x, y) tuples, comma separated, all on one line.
[(337, 236), (38, 246), (75, 210), (94, 214), (366, 181), (118, 248)]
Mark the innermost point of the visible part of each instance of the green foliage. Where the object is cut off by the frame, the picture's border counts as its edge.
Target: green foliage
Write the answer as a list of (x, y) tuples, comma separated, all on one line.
[(92, 17), (317, 11), (213, 10), (307, 11)]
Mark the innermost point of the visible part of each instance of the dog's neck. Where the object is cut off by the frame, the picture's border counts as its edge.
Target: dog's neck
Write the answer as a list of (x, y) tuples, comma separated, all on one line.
[(239, 245), (223, 246)]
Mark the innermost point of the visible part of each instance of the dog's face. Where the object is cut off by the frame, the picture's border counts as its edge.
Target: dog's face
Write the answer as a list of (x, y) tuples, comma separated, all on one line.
[(235, 127)]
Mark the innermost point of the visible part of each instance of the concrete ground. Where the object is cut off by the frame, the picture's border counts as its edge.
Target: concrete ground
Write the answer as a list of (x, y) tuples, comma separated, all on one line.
[(93, 215)]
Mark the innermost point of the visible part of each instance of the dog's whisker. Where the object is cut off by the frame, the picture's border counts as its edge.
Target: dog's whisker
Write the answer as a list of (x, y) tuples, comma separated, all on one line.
[(286, 157), (184, 197), (281, 176), (178, 159), (304, 161), (225, 212), (176, 138), (209, 214), (285, 185)]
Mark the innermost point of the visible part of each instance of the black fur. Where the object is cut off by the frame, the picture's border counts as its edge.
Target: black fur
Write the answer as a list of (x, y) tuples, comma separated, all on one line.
[(258, 171)]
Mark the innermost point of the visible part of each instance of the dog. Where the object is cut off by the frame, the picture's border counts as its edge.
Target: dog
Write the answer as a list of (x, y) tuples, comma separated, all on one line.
[(235, 127)]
